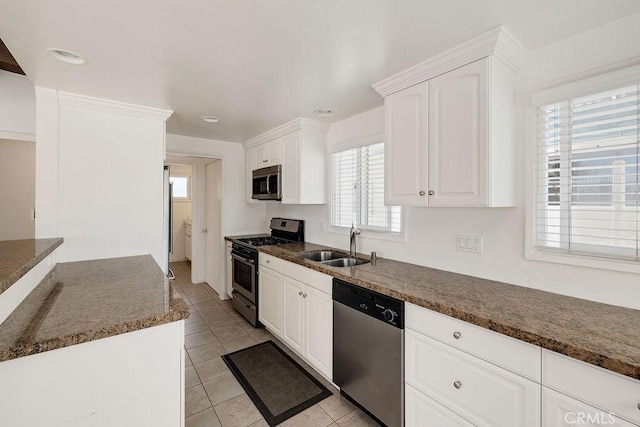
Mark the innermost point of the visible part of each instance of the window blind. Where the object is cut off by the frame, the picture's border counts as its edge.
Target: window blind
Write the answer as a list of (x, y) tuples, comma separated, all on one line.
[(588, 175), (358, 191)]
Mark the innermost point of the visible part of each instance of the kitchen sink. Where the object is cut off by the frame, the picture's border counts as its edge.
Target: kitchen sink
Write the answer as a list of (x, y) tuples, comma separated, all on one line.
[(322, 256), (345, 262)]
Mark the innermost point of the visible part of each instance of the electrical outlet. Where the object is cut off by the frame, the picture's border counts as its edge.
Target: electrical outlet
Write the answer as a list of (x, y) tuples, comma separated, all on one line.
[(323, 226), (469, 243)]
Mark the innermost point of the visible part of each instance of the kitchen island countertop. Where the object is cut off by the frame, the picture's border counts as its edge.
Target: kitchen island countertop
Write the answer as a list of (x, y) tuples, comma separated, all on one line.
[(17, 257), (600, 334), (90, 300)]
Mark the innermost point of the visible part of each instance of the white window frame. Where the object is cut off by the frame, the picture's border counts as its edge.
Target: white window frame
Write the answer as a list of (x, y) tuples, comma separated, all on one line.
[(578, 87), (189, 192), (368, 234)]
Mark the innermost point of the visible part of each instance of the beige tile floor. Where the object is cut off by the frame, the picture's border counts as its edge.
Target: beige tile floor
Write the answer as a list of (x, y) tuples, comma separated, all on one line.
[(213, 397)]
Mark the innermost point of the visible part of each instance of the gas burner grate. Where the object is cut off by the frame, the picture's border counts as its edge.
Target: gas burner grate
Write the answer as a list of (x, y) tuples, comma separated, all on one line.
[(264, 241)]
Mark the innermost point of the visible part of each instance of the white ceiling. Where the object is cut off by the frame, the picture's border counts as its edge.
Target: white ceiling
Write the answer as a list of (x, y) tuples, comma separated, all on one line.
[(257, 64)]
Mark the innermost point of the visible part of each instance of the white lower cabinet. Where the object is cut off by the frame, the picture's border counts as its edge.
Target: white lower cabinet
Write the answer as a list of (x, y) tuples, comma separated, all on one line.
[(295, 305), (319, 322), (599, 388), (293, 314), (562, 411), (461, 388), (269, 297), (480, 392), (422, 411)]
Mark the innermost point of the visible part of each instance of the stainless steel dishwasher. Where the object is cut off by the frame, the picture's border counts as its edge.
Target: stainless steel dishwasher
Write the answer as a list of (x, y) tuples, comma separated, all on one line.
[(368, 350)]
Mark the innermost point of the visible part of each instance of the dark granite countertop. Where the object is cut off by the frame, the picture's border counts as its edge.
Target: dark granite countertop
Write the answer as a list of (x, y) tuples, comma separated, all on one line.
[(90, 300), (601, 334), (17, 257)]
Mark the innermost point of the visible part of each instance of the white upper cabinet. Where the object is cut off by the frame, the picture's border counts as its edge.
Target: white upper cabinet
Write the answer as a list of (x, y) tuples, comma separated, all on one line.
[(471, 136), (449, 126), (300, 148), (405, 151), (268, 154)]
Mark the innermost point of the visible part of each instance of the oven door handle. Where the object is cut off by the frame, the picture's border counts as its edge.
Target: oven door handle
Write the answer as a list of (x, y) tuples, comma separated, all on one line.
[(243, 260)]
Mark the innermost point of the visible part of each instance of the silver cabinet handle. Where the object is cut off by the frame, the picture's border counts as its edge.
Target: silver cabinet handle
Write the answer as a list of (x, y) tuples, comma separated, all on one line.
[(300, 293), (421, 193), (457, 384), (304, 295), (265, 161), (268, 261), (457, 335), (431, 192)]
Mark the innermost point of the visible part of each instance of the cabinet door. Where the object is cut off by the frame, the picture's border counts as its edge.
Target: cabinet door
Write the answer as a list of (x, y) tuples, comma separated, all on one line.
[(262, 156), (478, 391), (458, 108), (274, 152), (269, 300), (291, 168), (559, 410), (319, 330), (405, 149), (421, 411), (293, 314)]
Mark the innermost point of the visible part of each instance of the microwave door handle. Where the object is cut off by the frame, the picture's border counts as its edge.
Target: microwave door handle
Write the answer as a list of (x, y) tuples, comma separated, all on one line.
[(268, 180)]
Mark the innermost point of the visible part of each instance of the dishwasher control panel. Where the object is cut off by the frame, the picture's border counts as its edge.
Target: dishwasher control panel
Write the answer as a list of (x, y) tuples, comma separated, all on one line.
[(374, 304)]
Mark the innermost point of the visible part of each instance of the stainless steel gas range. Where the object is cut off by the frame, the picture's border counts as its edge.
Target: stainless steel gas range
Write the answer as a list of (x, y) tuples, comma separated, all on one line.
[(245, 274)]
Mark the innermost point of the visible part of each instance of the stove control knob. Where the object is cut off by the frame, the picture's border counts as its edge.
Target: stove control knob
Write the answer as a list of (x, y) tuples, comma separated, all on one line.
[(389, 315)]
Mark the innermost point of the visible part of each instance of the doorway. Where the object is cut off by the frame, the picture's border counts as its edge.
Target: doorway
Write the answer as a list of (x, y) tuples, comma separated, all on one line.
[(18, 192), (197, 222)]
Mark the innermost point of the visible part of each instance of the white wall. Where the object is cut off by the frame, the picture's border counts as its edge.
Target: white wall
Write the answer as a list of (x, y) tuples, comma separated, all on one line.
[(431, 231), (17, 107), (99, 176), (181, 212), (17, 189)]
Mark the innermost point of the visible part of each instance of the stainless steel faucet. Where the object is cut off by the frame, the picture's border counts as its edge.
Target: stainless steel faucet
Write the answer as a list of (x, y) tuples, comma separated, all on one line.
[(352, 240)]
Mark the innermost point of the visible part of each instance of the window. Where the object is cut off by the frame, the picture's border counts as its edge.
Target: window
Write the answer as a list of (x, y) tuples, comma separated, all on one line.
[(181, 187), (588, 151), (358, 191)]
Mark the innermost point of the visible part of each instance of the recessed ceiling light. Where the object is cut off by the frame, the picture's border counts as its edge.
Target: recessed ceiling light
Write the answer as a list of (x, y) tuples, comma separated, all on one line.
[(323, 112), (66, 56), (210, 119)]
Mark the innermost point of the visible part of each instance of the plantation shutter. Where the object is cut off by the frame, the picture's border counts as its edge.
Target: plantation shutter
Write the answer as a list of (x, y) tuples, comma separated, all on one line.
[(358, 191), (588, 177)]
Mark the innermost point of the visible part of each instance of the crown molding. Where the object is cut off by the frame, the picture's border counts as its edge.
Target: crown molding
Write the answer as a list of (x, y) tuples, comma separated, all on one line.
[(497, 42), (113, 107), (282, 130), (17, 136)]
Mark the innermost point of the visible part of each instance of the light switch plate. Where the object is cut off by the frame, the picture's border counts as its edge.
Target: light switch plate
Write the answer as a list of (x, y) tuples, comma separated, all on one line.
[(469, 243)]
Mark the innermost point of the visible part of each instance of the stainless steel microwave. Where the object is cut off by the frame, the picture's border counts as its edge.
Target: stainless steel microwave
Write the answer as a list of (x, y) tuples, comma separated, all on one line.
[(267, 183)]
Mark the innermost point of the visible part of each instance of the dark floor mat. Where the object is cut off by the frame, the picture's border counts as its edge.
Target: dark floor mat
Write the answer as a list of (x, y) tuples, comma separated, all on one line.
[(278, 386)]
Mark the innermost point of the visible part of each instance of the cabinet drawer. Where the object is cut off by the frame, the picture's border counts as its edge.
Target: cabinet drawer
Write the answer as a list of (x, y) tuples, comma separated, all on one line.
[(596, 386), (309, 277), (269, 261), (559, 410), (421, 410), (479, 391), (517, 356)]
